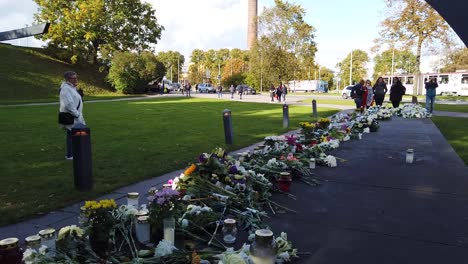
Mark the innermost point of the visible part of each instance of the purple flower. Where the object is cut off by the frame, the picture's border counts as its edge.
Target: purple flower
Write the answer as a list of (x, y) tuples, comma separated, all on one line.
[(202, 158), (233, 170)]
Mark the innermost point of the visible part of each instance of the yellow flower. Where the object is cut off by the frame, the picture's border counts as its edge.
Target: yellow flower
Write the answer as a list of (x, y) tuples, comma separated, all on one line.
[(190, 169)]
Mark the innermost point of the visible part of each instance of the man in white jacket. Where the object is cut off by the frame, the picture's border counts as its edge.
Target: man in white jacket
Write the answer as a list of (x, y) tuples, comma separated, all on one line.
[(71, 102)]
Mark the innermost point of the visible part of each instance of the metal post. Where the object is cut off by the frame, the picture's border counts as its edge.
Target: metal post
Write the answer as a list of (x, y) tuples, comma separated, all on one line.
[(82, 160), (314, 108), (227, 120), (351, 70), (285, 116)]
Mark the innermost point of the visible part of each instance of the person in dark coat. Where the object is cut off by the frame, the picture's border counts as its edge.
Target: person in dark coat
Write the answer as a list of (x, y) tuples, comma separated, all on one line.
[(396, 92), (379, 90), (357, 92), (272, 93), (430, 86), (279, 92)]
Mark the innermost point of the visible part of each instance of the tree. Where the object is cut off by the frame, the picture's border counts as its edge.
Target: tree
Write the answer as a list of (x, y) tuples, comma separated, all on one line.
[(285, 45), (131, 72), (195, 74), (414, 23), (404, 61), (359, 71), (173, 62), (455, 60), (90, 28)]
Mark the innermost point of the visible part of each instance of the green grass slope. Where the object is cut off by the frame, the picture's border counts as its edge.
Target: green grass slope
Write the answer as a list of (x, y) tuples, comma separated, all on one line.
[(27, 75)]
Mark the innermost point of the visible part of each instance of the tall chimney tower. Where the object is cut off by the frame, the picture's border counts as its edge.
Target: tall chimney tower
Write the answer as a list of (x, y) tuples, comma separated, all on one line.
[(252, 23)]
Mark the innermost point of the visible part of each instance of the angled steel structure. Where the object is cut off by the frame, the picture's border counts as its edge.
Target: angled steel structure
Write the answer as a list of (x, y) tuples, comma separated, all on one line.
[(24, 32), (455, 13)]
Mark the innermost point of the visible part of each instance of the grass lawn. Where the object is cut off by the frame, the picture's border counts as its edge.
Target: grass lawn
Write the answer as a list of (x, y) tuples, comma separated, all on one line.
[(451, 108), (110, 96), (455, 131), (331, 101), (131, 141)]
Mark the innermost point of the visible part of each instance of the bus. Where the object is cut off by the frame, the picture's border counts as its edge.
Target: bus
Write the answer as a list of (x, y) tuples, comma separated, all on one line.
[(308, 86), (451, 83)]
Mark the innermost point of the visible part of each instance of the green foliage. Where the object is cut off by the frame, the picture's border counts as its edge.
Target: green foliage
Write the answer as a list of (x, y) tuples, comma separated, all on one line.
[(172, 60), (412, 23), (285, 48), (404, 61), (29, 75), (454, 130), (359, 71), (456, 60), (130, 72), (87, 28)]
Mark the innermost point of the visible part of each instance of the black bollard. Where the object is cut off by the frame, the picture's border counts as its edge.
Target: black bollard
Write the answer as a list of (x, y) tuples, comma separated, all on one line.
[(285, 116), (82, 160), (314, 108), (227, 120)]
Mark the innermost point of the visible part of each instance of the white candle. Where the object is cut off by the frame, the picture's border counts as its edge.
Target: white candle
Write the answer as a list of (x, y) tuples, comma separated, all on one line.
[(312, 163), (169, 229), (262, 260), (132, 199), (409, 156)]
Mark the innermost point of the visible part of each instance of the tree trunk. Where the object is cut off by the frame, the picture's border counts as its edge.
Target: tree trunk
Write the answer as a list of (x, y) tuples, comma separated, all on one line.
[(418, 82)]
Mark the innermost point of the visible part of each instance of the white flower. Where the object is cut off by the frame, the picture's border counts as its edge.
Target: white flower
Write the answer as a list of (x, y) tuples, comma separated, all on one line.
[(28, 256), (366, 130), (164, 248), (186, 198), (283, 257), (331, 161), (184, 223), (346, 138)]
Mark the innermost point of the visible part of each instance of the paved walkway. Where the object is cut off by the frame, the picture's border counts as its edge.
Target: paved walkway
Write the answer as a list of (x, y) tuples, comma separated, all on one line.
[(262, 98)]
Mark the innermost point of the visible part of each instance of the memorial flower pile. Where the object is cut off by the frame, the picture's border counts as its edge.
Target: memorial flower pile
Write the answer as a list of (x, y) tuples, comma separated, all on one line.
[(411, 111)]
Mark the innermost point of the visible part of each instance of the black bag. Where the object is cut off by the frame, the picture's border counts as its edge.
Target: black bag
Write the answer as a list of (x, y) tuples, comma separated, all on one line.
[(65, 118)]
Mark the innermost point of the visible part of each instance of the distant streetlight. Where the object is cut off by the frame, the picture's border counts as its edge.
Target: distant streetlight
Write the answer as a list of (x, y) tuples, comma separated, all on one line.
[(351, 69)]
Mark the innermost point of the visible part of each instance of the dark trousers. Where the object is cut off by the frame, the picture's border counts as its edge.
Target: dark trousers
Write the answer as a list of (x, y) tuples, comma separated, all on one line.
[(395, 104), (69, 143), (378, 100), (358, 102)]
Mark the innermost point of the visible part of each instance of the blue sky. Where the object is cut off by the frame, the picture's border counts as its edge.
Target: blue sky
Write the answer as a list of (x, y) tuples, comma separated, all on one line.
[(342, 25)]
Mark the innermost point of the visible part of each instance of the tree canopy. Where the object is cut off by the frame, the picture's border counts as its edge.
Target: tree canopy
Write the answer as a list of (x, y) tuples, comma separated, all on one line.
[(285, 47), (359, 71), (404, 61), (413, 23), (456, 60), (89, 28), (173, 62)]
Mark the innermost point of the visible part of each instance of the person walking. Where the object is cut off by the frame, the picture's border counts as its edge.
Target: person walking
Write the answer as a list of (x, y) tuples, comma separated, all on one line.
[(71, 103), (284, 91), (379, 90), (188, 89), (232, 90), (220, 91), (430, 86), (357, 92), (396, 92), (370, 94), (240, 90), (279, 92), (272, 93)]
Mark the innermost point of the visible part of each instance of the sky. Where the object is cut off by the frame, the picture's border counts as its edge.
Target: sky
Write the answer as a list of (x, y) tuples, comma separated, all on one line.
[(341, 25)]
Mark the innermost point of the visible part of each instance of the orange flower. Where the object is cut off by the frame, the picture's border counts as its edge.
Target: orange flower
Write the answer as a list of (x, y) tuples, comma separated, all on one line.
[(190, 169)]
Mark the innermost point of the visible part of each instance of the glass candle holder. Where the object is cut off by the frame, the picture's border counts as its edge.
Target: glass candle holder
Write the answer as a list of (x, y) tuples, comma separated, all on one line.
[(10, 252), (263, 249), (312, 163), (82, 218), (229, 231), (167, 186), (33, 242), (359, 136), (48, 240), (132, 199), (143, 229), (409, 156), (169, 229)]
